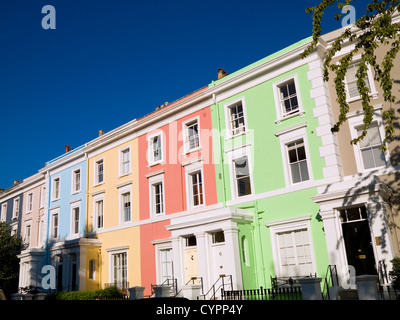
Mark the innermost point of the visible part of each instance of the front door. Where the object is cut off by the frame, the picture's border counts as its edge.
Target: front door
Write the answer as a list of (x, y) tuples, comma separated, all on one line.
[(191, 267), (357, 239)]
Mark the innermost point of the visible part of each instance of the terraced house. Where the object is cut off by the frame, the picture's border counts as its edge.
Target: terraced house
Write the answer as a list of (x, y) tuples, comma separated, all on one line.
[(239, 184), (65, 217), (271, 159), (360, 212)]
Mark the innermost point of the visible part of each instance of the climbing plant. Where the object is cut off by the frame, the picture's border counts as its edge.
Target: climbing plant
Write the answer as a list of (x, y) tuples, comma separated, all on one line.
[(375, 28)]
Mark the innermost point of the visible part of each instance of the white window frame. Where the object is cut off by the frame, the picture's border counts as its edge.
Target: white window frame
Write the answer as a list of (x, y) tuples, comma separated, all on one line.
[(373, 92), (96, 199), (244, 151), (4, 211), (280, 114), (42, 196), (154, 180), (121, 163), (355, 120), (14, 229), (289, 225), (28, 233), (112, 253), (286, 137), (54, 196), (75, 205), (29, 202), (16, 210), (150, 151), (52, 225), (96, 171), (228, 123), (74, 180), (42, 230), (123, 191), (185, 130), (159, 247), (190, 170)]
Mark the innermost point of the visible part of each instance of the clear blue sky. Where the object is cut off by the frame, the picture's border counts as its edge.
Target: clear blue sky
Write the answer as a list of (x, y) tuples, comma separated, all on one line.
[(108, 62)]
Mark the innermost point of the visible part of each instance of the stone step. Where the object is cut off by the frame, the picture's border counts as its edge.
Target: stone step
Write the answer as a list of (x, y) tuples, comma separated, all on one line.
[(348, 294)]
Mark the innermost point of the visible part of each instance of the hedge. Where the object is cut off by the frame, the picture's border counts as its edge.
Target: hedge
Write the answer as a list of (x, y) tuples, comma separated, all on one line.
[(102, 294)]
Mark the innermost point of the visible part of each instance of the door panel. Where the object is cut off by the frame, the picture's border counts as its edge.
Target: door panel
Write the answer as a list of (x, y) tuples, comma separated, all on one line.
[(359, 251), (191, 267)]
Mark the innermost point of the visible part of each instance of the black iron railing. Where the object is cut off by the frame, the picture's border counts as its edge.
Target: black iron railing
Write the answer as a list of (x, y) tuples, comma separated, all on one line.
[(289, 293), (220, 285), (331, 280)]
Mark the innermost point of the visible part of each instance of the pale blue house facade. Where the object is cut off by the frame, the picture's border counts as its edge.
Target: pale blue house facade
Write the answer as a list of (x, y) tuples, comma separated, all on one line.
[(66, 216)]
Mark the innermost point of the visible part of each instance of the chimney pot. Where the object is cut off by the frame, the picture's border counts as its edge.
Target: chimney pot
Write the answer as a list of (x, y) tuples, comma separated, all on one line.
[(67, 149), (222, 73), (101, 132)]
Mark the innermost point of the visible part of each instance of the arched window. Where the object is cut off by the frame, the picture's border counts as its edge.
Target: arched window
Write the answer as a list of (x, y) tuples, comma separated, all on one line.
[(244, 253), (92, 269)]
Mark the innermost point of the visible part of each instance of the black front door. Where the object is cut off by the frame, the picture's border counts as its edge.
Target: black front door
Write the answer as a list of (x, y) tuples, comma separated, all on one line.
[(357, 239)]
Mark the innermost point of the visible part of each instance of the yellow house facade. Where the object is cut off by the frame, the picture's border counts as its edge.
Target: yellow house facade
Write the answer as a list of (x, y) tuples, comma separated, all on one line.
[(113, 212)]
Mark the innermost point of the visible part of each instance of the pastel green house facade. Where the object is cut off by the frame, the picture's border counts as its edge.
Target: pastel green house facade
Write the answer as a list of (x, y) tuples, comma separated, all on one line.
[(270, 156)]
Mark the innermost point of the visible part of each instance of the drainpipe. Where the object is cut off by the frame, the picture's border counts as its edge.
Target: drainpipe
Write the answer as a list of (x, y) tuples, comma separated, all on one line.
[(260, 269), (87, 196), (221, 141)]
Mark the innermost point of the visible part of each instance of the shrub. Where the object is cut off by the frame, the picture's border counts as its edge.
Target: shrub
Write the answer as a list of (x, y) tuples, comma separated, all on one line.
[(102, 294), (395, 273)]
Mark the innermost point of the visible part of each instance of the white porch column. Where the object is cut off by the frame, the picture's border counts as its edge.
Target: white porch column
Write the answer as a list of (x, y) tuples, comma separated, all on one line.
[(177, 259), (81, 268), (334, 240), (202, 258), (232, 246)]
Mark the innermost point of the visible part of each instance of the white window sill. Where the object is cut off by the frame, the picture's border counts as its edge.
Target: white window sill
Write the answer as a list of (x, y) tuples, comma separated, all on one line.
[(299, 113), (155, 163), (125, 175), (230, 137), (374, 95), (187, 152)]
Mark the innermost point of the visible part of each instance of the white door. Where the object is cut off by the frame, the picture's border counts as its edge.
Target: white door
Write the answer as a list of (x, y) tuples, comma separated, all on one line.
[(191, 267)]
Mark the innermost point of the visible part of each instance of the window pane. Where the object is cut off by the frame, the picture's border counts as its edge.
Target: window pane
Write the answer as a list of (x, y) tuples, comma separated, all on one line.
[(295, 172), (368, 159), (373, 135), (353, 90), (244, 186), (379, 157), (284, 91), (294, 103), (292, 155), (351, 73), (304, 171), (301, 153), (353, 214), (291, 88), (242, 167)]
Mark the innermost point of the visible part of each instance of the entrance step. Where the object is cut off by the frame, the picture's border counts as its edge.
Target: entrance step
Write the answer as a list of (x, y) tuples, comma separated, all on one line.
[(348, 294)]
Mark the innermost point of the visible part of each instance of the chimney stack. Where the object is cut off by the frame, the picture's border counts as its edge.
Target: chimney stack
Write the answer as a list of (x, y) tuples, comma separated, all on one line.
[(16, 181), (67, 149), (222, 73), (101, 132)]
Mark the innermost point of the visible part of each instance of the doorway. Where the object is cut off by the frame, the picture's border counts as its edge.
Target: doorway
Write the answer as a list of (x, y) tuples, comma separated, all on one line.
[(191, 266), (218, 254), (357, 240)]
